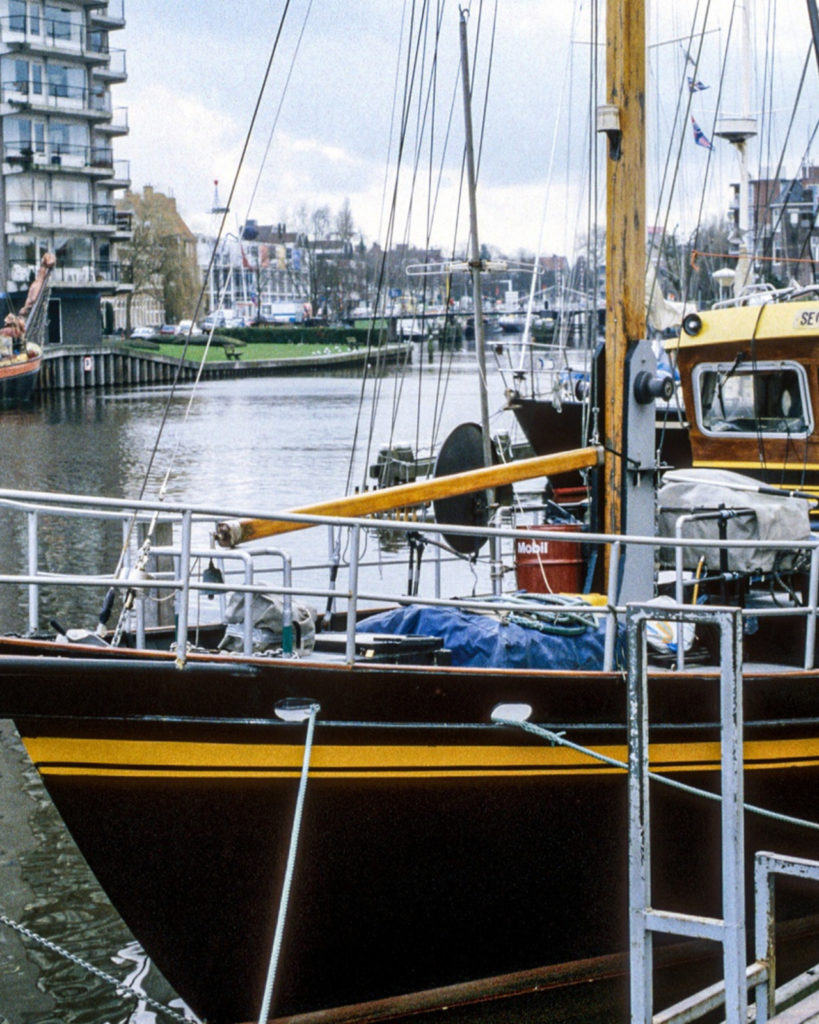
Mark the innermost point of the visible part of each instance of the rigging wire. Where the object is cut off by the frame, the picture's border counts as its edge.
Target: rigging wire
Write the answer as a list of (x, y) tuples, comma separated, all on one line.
[(177, 377), (234, 183), (277, 114), (388, 233)]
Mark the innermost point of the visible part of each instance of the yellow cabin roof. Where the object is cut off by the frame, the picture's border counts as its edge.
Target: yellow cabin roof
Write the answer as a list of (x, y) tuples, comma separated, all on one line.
[(794, 320)]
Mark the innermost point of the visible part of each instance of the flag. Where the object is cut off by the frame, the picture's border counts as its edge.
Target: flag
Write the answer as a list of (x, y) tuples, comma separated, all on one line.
[(700, 137), (695, 86)]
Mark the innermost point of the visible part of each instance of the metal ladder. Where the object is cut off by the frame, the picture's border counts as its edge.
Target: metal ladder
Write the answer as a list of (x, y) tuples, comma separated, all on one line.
[(730, 929), (644, 919)]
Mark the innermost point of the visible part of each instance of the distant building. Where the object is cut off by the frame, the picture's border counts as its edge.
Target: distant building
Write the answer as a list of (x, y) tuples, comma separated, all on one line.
[(257, 275), (59, 176), (783, 225)]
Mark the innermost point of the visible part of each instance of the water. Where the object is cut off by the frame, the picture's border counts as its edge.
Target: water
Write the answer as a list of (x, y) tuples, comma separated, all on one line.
[(255, 443)]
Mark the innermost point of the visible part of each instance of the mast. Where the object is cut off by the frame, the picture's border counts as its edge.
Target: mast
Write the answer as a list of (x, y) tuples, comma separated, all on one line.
[(475, 266), (738, 130), (623, 121)]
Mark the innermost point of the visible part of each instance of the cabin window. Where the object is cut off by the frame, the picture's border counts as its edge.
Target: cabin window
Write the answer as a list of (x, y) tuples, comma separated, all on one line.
[(754, 398)]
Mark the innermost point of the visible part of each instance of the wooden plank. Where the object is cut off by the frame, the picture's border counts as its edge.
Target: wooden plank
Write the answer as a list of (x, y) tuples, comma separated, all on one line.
[(232, 532)]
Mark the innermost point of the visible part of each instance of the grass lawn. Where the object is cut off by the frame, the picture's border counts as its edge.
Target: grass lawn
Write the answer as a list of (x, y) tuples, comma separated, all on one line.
[(249, 352)]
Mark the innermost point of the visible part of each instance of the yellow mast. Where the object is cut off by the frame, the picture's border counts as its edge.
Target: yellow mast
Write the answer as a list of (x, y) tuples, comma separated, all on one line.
[(625, 231), (232, 532)]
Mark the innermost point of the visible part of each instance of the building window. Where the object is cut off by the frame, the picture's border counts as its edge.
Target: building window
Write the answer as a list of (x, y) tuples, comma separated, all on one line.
[(65, 81), (17, 16), (58, 22)]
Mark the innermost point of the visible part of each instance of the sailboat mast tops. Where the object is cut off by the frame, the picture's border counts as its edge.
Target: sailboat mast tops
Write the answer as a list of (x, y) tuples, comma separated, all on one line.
[(458, 266), (736, 129)]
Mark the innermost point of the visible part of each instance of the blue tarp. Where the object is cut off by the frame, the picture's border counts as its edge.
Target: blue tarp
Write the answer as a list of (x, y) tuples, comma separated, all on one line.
[(486, 641)]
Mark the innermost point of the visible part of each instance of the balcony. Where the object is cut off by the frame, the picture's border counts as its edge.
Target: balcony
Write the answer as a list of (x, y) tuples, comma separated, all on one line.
[(113, 17), (102, 273), (50, 97), (97, 159), (44, 36), (115, 122), (114, 70), (25, 214), (121, 175), (123, 226)]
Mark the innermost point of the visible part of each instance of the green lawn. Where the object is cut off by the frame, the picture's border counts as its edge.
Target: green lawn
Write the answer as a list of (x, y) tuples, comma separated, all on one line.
[(249, 352)]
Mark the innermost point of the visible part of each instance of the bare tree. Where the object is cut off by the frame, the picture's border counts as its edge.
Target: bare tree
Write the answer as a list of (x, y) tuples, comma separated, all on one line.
[(159, 260)]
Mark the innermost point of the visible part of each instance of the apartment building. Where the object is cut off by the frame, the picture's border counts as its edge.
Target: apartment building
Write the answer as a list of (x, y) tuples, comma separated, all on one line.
[(59, 176)]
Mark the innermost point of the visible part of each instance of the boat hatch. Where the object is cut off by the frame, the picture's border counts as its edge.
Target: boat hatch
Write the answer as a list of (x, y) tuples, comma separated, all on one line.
[(753, 398)]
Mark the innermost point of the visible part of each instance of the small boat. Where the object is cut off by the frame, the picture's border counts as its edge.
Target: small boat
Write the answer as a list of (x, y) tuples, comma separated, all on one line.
[(21, 341), (18, 375)]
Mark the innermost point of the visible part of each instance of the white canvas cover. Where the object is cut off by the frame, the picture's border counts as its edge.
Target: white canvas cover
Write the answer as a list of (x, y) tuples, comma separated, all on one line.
[(267, 624), (772, 517)]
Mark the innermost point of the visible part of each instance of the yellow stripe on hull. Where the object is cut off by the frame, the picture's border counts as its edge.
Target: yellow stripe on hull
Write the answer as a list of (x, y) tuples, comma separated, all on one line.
[(113, 759)]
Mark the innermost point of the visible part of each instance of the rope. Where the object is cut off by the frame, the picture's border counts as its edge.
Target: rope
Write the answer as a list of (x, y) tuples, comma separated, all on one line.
[(123, 988), (559, 739), (312, 711)]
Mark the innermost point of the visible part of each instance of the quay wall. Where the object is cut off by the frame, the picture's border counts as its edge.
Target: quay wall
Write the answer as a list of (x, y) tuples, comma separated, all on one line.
[(100, 366)]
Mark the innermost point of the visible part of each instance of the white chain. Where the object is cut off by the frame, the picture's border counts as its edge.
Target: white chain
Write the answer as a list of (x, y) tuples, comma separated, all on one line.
[(122, 987)]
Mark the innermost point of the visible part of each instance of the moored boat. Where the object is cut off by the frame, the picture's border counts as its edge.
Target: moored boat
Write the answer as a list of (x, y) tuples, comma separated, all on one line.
[(18, 375), (21, 341)]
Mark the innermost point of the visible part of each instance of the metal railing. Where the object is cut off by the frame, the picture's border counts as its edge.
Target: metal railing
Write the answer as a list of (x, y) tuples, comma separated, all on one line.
[(33, 211), (63, 154), (95, 100), (355, 593)]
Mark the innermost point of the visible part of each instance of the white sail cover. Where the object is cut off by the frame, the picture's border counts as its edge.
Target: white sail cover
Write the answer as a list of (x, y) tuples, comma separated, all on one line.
[(770, 517), (663, 314)]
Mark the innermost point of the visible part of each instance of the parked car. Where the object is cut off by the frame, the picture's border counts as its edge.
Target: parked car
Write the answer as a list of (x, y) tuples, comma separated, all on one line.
[(167, 329), (222, 318), (186, 327), (143, 332)]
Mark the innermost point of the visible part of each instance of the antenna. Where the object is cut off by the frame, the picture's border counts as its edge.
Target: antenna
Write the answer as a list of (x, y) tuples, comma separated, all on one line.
[(217, 205)]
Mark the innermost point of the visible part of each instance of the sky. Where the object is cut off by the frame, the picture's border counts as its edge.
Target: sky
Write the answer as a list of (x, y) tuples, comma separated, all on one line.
[(325, 132)]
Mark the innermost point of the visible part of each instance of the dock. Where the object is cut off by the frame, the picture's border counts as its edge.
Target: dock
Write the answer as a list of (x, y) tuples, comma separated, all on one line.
[(114, 365)]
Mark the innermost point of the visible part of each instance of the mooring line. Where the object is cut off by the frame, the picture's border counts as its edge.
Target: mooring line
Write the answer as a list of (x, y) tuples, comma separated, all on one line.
[(560, 739)]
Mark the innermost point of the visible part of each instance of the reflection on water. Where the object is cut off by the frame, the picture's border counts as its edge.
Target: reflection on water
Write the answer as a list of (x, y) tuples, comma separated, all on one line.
[(266, 443), (261, 444), (46, 887)]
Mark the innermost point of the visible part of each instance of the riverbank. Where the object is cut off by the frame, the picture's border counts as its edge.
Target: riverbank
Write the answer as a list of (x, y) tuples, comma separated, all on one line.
[(141, 364)]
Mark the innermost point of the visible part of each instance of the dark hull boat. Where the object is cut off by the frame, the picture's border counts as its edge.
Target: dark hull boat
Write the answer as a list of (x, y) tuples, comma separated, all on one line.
[(465, 807), (435, 847), (442, 840), (551, 427)]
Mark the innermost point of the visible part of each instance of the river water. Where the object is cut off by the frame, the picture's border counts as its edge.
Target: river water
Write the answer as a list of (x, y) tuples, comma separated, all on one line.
[(260, 442)]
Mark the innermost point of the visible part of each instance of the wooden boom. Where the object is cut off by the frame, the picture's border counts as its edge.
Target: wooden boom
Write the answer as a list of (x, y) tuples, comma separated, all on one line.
[(236, 531)]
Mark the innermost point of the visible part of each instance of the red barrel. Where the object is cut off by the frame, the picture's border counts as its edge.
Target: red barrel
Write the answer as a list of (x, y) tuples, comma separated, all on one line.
[(549, 566)]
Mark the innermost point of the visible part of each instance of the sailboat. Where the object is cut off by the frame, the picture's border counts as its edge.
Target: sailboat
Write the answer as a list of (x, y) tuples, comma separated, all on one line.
[(362, 813)]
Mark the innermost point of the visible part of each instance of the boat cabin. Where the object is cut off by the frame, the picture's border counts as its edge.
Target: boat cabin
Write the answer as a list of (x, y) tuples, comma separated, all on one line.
[(750, 381)]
